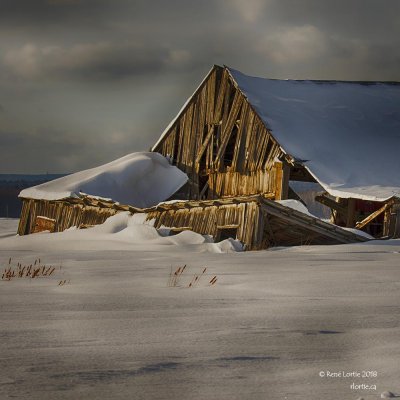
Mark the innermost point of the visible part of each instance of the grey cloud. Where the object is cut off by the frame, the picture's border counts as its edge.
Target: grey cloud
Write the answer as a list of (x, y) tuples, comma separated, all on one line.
[(104, 16), (360, 18), (142, 59), (93, 61), (39, 13), (34, 152), (56, 150)]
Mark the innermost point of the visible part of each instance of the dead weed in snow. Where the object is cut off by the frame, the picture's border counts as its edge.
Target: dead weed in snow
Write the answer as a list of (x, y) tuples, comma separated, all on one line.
[(31, 271), (175, 278)]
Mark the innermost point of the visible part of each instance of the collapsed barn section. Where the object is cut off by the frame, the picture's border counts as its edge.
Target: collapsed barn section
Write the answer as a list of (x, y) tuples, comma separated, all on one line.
[(241, 135)]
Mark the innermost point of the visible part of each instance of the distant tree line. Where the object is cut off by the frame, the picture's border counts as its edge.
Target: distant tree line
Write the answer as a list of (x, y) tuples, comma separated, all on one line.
[(10, 187)]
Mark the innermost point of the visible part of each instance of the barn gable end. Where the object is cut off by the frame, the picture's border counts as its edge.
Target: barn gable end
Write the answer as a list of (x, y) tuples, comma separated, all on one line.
[(222, 144)]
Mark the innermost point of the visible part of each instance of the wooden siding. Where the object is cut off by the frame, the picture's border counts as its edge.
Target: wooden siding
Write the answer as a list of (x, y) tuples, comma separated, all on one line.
[(65, 214), (261, 223), (223, 184), (221, 143), (209, 220)]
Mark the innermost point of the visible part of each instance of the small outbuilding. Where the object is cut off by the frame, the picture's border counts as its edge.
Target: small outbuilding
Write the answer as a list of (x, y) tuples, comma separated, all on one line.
[(89, 197)]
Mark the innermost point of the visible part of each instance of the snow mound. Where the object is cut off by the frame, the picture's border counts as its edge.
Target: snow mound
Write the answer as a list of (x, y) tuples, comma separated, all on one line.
[(124, 230), (230, 245), (189, 237), (141, 179)]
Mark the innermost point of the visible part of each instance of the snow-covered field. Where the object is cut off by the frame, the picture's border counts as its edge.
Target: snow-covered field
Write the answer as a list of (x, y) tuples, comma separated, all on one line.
[(270, 325)]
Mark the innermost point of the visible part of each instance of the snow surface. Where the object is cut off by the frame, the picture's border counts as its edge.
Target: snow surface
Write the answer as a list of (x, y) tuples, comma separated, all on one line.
[(347, 133), (265, 330), (140, 179)]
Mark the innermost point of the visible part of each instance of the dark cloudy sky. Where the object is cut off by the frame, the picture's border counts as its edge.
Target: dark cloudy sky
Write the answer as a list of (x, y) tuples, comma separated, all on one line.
[(83, 82)]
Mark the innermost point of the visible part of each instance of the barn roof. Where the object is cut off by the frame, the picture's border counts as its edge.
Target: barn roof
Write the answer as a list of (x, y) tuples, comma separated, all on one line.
[(347, 134), (141, 179)]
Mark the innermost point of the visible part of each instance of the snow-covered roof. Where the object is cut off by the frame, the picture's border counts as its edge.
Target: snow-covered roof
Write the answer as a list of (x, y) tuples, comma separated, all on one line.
[(140, 179), (347, 134)]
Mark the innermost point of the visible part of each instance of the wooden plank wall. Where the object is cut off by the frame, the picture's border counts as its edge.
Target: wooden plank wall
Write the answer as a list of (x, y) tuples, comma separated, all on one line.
[(206, 220), (24, 217), (220, 141), (229, 184), (65, 214), (391, 225)]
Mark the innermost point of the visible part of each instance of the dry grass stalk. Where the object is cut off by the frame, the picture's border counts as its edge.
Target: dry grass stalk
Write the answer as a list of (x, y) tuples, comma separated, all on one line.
[(196, 278), (213, 280), (35, 270), (174, 277)]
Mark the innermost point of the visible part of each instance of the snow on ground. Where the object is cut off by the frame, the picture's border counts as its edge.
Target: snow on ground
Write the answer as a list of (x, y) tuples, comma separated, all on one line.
[(117, 232), (140, 179), (265, 330)]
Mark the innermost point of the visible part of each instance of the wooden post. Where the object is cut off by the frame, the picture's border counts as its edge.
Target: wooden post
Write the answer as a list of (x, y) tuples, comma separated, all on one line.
[(278, 180), (338, 217), (282, 171), (285, 180), (396, 233), (351, 208), (396, 221)]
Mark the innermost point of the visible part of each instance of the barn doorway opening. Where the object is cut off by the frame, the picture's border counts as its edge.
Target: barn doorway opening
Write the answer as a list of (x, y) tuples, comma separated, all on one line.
[(226, 232)]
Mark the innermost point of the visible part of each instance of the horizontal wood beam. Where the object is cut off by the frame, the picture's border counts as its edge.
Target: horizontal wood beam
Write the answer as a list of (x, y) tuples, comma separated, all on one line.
[(326, 201), (180, 229), (233, 226)]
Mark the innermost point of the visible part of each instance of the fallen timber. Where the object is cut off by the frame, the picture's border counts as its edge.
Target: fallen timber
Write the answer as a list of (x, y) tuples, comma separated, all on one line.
[(257, 221), (268, 224)]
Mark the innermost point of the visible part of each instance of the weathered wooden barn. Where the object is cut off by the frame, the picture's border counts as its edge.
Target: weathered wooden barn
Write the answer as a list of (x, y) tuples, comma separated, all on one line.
[(243, 141), (240, 136), (256, 221), (39, 215), (89, 197)]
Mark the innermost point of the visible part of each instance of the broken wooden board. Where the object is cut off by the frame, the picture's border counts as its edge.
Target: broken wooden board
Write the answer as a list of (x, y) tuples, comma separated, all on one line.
[(44, 224), (372, 216), (260, 222), (291, 227)]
